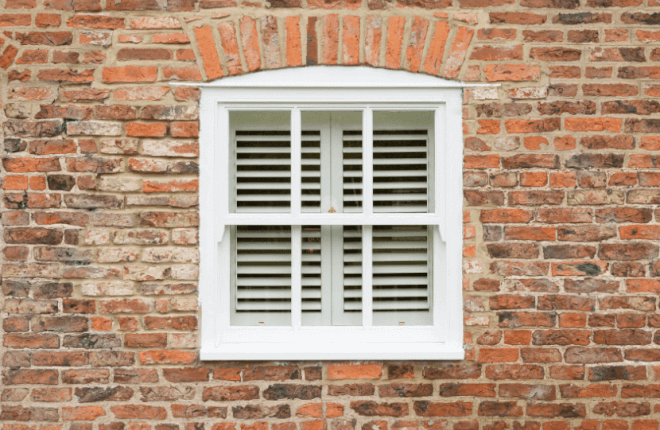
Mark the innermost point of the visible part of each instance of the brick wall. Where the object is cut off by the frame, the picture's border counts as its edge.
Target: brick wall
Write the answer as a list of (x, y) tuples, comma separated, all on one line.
[(100, 178)]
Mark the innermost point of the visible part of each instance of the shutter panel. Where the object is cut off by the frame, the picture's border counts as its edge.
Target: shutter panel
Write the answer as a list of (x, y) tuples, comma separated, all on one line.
[(352, 170), (261, 178), (311, 235), (401, 254), (263, 171), (311, 171), (346, 145), (401, 171), (262, 276), (401, 275), (349, 285)]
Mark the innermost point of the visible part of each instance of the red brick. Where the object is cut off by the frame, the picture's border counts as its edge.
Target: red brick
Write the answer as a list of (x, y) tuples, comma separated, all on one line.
[(250, 40), (497, 355), (139, 412), (135, 129), (130, 74), (458, 52), (506, 216), (395, 30), (351, 40), (372, 42), (270, 40), (96, 21), (48, 20), (209, 52), (167, 357), (436, 49), (433, 409), (500, 409), (293, 41), (526, 18), (355, 371)]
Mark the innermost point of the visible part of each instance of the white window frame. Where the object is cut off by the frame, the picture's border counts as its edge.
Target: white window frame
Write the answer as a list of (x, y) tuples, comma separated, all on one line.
[(330, 88)]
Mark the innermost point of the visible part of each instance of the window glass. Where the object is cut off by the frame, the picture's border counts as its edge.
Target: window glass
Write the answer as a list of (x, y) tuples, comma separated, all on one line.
[(260, 182), (402, 266), (403, 155), (260, 171), (261, 275)]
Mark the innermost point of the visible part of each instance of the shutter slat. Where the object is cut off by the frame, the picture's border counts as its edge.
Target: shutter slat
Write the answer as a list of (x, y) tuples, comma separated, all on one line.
[(263, 162), (413, 185), (385, 246), (254, 294), (400, 305), (390, 293), (258, 198), (265, 282), (405, 149), (277, 270), (262, 272), (398, 161)]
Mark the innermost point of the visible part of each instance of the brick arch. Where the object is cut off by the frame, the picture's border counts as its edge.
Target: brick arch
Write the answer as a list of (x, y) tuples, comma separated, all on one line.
[(412, 43)]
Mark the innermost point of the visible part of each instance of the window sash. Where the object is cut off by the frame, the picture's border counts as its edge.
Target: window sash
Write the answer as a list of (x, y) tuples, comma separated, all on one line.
[(442, 340), (367, 219)]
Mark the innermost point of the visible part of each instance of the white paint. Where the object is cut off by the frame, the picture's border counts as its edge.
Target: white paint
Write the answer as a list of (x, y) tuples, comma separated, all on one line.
[(323, 89), (333, 77)]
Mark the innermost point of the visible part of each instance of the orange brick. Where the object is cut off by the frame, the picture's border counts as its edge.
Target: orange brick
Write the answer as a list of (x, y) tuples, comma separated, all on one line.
[(209, 52), (293, 41), (395, 29), (13, 182), (355, 371), (351, 40)]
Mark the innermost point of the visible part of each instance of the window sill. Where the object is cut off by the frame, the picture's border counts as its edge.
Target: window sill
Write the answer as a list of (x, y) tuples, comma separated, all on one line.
[(333, 351)]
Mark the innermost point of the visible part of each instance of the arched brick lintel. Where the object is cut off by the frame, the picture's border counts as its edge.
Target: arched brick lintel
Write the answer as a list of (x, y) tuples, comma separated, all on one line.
[(248, 44)]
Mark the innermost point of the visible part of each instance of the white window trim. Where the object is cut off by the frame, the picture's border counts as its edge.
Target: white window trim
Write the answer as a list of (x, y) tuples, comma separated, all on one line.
[(329, 88)]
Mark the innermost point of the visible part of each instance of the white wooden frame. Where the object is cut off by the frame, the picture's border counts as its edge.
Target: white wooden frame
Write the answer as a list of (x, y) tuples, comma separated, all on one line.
[(330, 88)]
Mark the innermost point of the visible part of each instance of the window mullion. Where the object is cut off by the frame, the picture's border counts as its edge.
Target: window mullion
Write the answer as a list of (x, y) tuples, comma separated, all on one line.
[(296, 162), (327, 255), (296, 231), (367, 208)]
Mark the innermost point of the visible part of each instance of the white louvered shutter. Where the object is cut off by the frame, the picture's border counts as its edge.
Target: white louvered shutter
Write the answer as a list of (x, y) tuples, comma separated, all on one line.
[(402, 255), (332, 255), (261, 183), (312, 266)]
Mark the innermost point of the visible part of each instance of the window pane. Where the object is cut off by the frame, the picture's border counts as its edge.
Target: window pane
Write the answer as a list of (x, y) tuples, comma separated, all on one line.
[(261, 275), (260, 171), (331, 162), (403, 155), (312, 267), (332, 275), (402, 263), (350, 303)]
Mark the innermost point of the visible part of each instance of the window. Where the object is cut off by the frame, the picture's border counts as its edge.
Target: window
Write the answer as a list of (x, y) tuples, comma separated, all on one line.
[(331, 216)]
